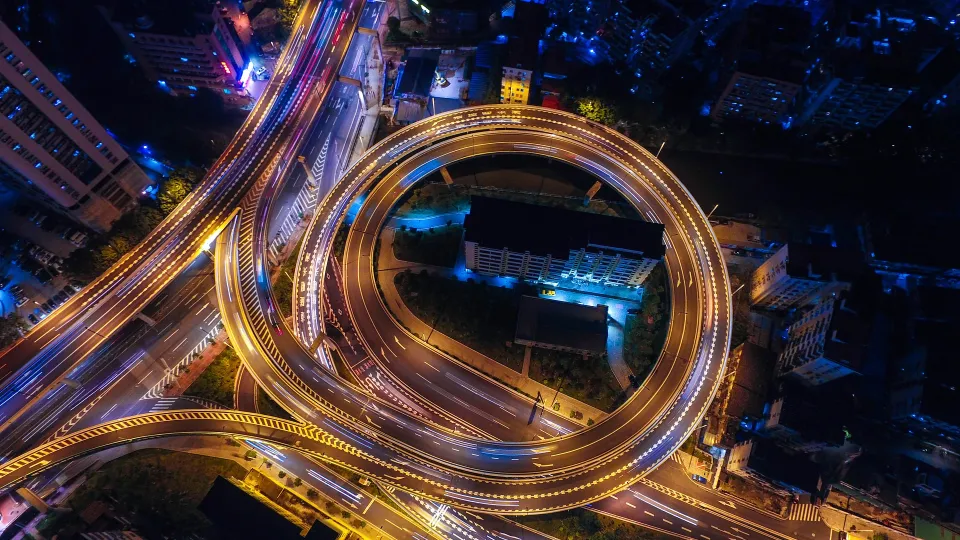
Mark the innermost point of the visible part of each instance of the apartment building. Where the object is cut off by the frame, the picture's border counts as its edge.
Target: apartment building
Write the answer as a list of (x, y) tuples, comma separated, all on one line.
[(546, 245), (827, 342), (772, 63), (758, 98), (185, 48), (523, 53), (797, 273), (53, 150), (515, 83)]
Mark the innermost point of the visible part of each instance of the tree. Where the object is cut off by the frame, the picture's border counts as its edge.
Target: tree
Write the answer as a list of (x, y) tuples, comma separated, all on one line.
[(597, 110), (282, 474), (176, 188), (250, 455), (393, 24), (312, 493), (297, 482), (11, 328), (288, 14)]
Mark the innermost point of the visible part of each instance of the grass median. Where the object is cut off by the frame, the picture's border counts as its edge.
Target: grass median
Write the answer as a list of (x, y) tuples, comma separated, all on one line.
[(158, 490), (217, 382)]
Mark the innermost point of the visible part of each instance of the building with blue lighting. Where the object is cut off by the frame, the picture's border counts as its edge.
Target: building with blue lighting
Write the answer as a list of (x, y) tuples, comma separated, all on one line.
[(183, 48), (53, 151), (541, 244), (827, 342), (772, 66)]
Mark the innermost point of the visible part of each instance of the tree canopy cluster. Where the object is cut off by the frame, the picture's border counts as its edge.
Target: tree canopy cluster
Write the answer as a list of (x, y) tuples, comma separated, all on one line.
[(11, 328), (89, 262), (598, 110), (646, 331)]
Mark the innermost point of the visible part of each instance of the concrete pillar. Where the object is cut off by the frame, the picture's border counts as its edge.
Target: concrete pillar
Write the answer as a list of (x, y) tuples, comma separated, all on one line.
[(446, 176), (33, 500), (312, 180)]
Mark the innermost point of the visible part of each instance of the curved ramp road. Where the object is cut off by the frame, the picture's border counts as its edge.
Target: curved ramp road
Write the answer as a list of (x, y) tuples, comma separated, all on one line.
[(394, 446), (306, 70), (544, 475)]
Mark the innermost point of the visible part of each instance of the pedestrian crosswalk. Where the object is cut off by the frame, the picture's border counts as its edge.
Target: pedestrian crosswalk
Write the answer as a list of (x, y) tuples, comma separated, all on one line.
[(163, 404), (305, 202), (171, 374), (804, 512)]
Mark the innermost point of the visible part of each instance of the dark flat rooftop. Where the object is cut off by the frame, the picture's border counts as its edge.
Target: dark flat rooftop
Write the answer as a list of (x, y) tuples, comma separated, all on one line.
[(752, 383), (823, 262), (563, 324), (543, 230), (818, 413), (796, 470), (417, 76), (169, 17)]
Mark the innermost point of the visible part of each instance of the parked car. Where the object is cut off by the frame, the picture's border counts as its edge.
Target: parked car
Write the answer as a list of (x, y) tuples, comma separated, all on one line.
[(33, 319), (41, 254), (46, 308), (78, 239), (74, 236), (68, 290)]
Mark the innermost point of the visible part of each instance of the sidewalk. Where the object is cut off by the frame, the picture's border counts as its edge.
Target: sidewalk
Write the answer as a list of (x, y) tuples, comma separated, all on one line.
[(209, 446), (391, 266), (194, 369), (372, 96), (839, 520)]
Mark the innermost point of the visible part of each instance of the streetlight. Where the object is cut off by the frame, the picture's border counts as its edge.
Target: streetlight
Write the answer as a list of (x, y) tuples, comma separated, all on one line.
[(713, 210)]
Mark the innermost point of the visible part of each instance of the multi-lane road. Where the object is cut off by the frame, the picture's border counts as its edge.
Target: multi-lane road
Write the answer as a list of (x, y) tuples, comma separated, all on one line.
[(308, 67), (487, 475)]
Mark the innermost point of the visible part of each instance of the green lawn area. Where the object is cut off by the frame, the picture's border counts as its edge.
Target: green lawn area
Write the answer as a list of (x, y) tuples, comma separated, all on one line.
[(646, 331), (438, 246), (589, 380), (434, 198), (582, 524), (159, 490), (283, 286), (476, 314), (216, 383), (340, 241)]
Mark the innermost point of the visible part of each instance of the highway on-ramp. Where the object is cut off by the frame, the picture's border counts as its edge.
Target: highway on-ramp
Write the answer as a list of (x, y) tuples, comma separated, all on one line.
[(307, 69)]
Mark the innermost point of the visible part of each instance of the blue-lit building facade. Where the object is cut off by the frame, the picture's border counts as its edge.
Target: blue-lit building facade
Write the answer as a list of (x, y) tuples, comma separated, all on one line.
[(53, 151), (508, 239), (184, 51)]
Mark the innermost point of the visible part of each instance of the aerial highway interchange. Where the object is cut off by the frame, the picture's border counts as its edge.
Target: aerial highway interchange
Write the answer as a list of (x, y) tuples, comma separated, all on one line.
[(401, 430)]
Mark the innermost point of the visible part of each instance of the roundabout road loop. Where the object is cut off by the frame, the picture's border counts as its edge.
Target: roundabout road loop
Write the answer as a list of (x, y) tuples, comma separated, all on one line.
[(404, 451)]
